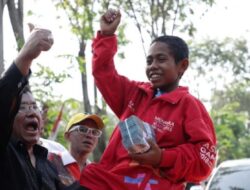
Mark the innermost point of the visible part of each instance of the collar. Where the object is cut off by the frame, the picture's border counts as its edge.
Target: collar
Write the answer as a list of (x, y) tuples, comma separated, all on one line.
[(172, 97), (67, 158), (58, 149), (37, 149), (176, 95)]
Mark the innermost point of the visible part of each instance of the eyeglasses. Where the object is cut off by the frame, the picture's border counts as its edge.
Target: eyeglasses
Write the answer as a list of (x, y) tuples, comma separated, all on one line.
[(86, 130), (26, 108)]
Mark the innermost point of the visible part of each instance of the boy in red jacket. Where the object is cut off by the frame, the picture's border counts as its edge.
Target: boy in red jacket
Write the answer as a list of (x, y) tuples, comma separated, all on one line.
[(185, 139)]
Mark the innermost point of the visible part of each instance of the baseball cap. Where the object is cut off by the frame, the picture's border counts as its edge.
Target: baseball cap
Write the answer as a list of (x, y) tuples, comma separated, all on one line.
[(77, 118)]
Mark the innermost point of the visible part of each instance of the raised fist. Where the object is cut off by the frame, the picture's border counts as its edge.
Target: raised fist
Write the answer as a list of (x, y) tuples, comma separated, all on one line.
[(110, 21), (38, 41)]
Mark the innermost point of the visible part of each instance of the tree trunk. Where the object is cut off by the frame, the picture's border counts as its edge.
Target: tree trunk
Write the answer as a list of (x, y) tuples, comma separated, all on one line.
[(2, 4), (16, 18), (87, 107), (98, 151)]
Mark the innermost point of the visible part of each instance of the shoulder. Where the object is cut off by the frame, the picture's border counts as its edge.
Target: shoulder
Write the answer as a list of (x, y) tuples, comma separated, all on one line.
[(52, 146), (191, 103), (190, 99)]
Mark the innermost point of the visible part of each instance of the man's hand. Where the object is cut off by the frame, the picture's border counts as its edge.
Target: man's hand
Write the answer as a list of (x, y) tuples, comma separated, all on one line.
[(38, 41), (110, 21), (151, 157)]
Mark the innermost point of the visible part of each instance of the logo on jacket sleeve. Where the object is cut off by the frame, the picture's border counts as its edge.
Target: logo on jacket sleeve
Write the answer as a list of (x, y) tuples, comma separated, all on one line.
[(208, 154)]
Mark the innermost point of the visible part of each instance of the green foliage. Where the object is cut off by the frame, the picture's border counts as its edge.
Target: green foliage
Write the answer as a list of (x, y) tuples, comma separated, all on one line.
[(222, 66), (214, 60), (161, 17), (230, 108), (80, 15), (30, 13), (245, 145), (71, 107), (229, 56), (20, 43), (43, 80), (81, 62), (236, 91), (231, 131)]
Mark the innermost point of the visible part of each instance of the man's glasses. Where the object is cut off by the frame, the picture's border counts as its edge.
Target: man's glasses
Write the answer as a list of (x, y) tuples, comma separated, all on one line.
[(26, 108), (86, 130)]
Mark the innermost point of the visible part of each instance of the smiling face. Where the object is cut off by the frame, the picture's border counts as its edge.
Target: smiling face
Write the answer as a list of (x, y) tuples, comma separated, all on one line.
[(167, 61), (82, 143), (27, 122), (162, 70)]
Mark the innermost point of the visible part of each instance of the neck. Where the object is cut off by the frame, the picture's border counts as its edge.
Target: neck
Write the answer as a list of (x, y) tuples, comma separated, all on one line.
[(80, 158), (31, 155), (29, 149), (170, 87)]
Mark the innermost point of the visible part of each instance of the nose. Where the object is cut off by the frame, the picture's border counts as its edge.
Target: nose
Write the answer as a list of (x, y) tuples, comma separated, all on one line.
[(32, 112), (88, 136), (154, 64)]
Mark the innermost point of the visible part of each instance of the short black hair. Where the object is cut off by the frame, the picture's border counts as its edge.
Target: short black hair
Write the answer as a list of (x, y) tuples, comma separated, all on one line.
[(25, 90), (177, 46), (17, 101)]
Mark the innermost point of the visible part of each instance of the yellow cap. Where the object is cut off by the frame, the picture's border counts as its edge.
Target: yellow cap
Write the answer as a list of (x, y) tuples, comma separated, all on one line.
[(81, 117)]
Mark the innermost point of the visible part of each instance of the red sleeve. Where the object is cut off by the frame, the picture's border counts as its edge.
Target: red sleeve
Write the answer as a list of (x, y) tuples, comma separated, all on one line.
[(114, 87), (194, 160)]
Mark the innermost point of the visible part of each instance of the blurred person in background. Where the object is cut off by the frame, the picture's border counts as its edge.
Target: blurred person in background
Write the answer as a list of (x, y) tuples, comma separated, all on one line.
[(82, 133)]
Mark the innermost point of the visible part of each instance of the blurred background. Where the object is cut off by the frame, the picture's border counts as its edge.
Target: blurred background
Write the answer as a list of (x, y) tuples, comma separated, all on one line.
[(217, 32)]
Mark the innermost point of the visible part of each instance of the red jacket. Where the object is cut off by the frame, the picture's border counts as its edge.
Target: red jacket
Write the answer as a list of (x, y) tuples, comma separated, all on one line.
[(182, 126)]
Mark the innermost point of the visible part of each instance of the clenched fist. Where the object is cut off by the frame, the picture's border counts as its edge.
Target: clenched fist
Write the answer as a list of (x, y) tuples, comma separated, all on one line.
[(38, 41), (109, 22)]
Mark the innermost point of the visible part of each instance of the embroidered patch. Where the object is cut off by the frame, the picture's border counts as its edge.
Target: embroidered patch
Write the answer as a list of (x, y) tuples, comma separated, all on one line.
[(162, 125)]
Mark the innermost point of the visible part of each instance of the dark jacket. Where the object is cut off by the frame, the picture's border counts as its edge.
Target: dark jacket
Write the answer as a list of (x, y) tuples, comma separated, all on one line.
[(16, 170)]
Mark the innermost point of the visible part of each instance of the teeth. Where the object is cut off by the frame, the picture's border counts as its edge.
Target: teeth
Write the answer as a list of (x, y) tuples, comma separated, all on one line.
[(154, 77), (31, 128)]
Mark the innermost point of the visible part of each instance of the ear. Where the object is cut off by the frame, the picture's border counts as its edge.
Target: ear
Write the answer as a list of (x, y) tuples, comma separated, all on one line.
[(66, 135), (183, 65)]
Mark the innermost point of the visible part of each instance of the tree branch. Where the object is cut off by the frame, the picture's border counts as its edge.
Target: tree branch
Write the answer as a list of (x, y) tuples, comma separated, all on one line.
[(175, 16), (137, 25)]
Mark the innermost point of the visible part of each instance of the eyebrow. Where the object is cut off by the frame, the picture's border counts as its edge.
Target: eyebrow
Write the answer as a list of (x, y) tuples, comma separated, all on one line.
[(157, 55)]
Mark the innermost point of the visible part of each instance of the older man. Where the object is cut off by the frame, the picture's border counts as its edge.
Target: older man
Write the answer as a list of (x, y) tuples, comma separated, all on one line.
[(16, 77), (23, 163)]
